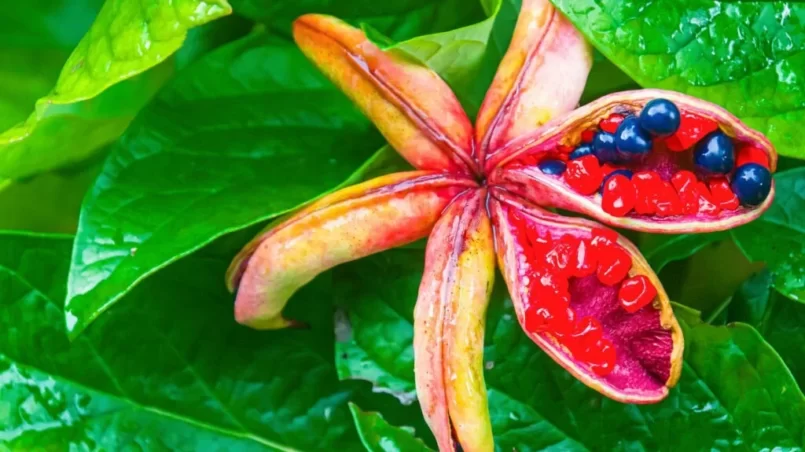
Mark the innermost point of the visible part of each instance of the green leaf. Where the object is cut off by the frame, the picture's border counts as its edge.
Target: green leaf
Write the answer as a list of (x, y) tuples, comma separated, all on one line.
[(780, 320), (660, 250), (778, 237), (102, 85), (747, 56), (169, 369), (398, 20), (380, 436), (734, 392), (249, 132)]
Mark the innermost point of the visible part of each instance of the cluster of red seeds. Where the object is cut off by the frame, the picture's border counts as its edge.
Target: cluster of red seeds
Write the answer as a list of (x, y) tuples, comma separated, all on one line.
[(553, 263), (645, 192)]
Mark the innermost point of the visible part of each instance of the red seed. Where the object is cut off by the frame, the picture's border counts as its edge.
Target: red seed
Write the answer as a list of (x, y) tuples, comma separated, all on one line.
[(586, 332), (602, 357), (564, 149), (619, 196), (584, 175), (692, 128), (707, 204), (614, 264), (610, 123), (751, 154), (723, 195), (545, 281), (586, 262), (666, 201), (602, 238), (561, 257), (685, 184), (636, 292), (588, 135), (647, 185), (606, 168), (551, 315)]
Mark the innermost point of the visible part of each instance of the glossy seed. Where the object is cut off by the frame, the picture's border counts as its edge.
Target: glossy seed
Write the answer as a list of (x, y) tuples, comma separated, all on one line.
[(752, 184), (647, 185), (608, 173), (636, 292), (619, 196), (584, 175), (707, 204), (692, 128), (561, 258), (610, 123), (751, 154), (666, 201), (723, 195), (660, 117), (684, 183), (585, 260), (582, 150), (614, 264), (630, 139), (588, 135), (552, 167), (604, 147), (715, 154), (603, 357)]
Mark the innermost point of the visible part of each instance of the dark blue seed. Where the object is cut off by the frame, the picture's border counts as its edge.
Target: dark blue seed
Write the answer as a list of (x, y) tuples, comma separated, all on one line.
[(552, 167), (660, 117), (622, 172), (751, 183), (604, 147), (715, 154), (630, 139), (581, 151)]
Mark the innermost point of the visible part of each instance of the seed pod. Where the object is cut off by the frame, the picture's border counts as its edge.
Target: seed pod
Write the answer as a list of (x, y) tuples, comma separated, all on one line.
[(669, 215), (349, 224), (632, 357)]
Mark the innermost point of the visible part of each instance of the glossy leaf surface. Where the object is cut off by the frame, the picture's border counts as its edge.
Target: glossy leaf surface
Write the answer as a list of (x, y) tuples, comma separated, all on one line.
[(746, 56), (778, 237), (212, 154), (167, 369), (82, 113)]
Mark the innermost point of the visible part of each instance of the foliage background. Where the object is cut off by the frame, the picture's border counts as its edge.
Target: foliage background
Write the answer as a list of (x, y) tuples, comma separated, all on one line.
[(146, 140)]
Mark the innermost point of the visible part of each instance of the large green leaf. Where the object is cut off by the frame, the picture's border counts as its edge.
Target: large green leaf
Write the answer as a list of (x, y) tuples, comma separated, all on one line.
[(398, 19), (248, 132), (35, 40), (734, 392), (747, 56), (102, 85), (168, 369), (660, 250), (780, 320), (778, 237)]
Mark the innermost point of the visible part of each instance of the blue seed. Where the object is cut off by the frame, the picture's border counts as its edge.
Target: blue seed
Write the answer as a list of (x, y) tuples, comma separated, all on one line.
[(630, 139), (715, 154), (751, 183), (660, 117), (552, 167), (604, 147), (581, 151)]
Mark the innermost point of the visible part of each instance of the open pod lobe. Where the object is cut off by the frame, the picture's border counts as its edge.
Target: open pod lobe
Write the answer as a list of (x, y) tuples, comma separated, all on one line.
[(689, 181), (627, 349)]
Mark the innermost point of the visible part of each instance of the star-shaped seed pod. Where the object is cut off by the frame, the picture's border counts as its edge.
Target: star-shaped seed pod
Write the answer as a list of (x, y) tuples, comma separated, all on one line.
[(645, 160)]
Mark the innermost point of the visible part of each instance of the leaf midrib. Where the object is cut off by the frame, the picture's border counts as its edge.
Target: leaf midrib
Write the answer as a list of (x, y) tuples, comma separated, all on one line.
[(244, 434)]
